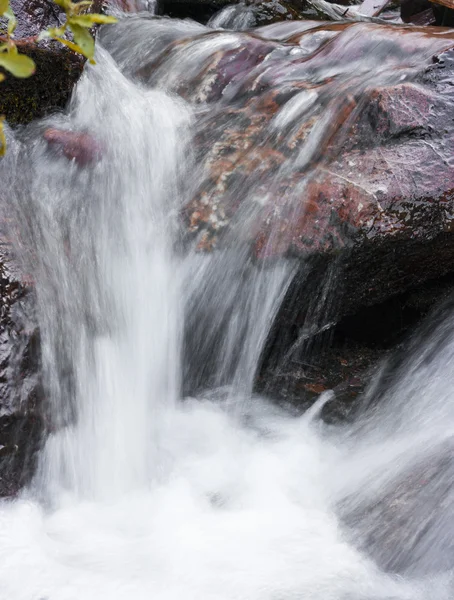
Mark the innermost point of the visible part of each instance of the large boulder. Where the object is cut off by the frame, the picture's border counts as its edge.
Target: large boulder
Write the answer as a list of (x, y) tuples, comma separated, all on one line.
[(310, 150), (329, 144)]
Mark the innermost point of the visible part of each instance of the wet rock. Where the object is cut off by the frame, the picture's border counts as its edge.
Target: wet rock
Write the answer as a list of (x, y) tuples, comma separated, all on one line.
[(273, 11), (21, 423), (347, 355), (406, 528), (57, 68), (359, 171), (80, 147), (198, 10), (310, 151), (239, 15)]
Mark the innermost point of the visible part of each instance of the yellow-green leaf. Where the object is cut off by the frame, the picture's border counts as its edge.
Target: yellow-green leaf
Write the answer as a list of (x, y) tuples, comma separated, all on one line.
[(91, 19), (17, 64), (2, 77), (80, 6), (74, 47), (65, 4), (11, 20), (57, 32), (83, 39), (4, 5), (2, 138)]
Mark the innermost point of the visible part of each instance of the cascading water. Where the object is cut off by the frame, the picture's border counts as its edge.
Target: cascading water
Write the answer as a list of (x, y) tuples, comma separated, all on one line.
[(224, 495)]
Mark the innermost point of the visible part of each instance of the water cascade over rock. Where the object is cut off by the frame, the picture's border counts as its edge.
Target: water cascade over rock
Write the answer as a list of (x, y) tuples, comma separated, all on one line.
[(210, 202)]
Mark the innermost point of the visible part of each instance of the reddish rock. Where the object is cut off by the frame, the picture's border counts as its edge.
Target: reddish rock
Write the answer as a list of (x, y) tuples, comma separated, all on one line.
[(80, 147), (331, 139)]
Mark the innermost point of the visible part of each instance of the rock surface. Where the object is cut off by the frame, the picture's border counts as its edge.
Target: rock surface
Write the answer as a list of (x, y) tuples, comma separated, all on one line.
[(21, 424), (57, 68), (314, 159), (331, 144)]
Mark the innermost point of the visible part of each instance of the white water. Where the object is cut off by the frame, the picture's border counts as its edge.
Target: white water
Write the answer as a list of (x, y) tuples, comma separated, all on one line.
[(138, 494)]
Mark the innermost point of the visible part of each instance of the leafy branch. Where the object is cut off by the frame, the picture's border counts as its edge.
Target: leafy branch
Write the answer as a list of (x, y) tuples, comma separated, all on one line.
[(77, 22)]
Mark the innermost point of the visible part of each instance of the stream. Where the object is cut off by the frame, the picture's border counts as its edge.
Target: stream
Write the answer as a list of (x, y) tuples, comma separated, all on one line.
[(165, 476)]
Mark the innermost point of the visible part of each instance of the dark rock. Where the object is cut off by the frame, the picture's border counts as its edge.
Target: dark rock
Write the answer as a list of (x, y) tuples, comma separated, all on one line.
[(49, 89), (444, 16), (273, 11), (21, 424), (346, 356), (197, 10), (261, 13), (57, 68), (411, 8)]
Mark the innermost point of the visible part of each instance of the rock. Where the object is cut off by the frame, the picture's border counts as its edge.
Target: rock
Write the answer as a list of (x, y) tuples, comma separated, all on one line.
[(80, 147), (57, 68), (328, 144), (377, 177), (254, 14), (410, 8), (406, 526), (21, 423), (232, 15)]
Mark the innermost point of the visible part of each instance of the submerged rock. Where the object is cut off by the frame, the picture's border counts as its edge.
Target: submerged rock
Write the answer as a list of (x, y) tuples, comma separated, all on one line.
[(80, 147)]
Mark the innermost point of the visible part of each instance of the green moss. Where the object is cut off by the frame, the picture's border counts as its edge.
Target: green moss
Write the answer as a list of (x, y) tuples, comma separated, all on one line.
[(49, 89)]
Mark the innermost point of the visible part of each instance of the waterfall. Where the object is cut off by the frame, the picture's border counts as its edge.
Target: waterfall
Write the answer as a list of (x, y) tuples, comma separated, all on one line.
[(164, 475)]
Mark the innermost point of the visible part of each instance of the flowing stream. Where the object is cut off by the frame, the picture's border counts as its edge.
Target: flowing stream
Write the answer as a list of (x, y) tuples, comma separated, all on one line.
[(164, 476)]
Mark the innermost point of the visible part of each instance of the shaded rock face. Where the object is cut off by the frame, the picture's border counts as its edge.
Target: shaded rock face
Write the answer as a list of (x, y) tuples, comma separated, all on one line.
[(21, 423), (251, 13), (35, 15)]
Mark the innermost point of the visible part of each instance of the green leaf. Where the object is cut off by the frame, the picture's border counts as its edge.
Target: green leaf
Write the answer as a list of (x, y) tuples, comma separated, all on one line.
[(57, 32), (91, 19), (2, 138), (12, 22), (74, 47), (17, 64), (4, 5), (65, 4), (83, 39), (80, 6)]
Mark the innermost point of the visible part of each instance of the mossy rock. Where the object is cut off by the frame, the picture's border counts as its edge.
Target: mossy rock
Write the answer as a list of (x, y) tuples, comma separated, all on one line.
[(57, 71)]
